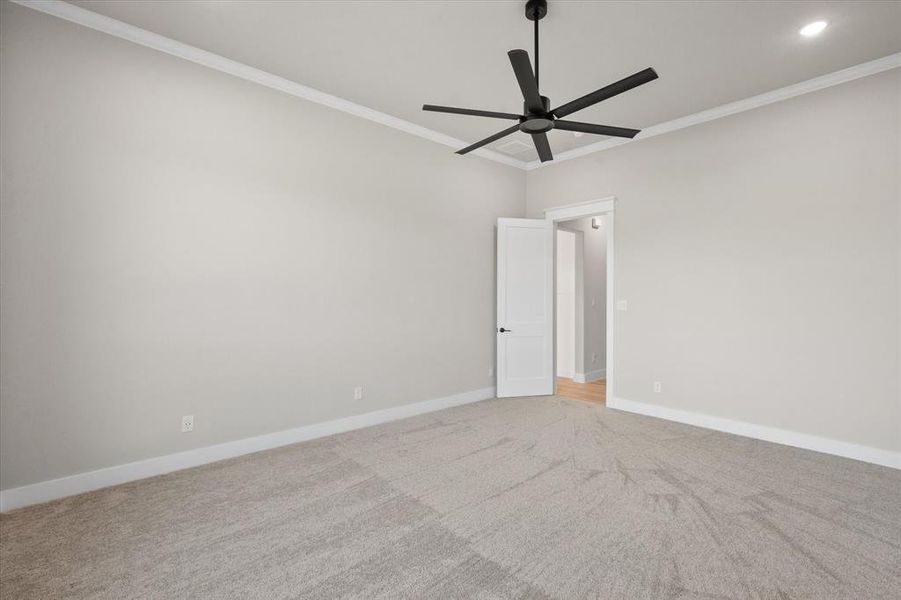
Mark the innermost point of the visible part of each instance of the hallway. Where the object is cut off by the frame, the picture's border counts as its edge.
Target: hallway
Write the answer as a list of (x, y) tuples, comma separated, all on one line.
[(595, 391)]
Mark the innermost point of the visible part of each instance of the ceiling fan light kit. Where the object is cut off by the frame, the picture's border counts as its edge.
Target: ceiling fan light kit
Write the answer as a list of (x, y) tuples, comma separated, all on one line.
[(538, 118)]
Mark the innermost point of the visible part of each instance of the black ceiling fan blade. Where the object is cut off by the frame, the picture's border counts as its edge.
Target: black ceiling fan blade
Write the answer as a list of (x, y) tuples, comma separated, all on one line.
[(470, 111), (623, 85), (522, 68), (596, 129), (489, 139), (543, 147)]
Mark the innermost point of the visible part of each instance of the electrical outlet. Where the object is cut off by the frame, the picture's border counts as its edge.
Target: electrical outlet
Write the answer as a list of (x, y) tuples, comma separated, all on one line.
[(594, 357), (490, 371), (658, 387), (622, 305), (187, 423), (358, 392)]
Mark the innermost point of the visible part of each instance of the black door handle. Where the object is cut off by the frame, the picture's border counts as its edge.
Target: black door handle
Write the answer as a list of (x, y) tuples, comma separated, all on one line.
[(502, 330)]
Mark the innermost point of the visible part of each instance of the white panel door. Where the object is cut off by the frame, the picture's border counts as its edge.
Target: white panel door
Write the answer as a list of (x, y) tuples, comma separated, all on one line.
[(525, 307)]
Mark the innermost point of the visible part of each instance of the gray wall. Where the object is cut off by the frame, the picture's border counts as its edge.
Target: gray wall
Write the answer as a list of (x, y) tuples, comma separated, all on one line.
[(568, 305), (176, 241), (759, 255)]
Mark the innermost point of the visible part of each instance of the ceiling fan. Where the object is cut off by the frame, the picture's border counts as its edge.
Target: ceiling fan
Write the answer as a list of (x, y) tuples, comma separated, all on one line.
[(538, 118)]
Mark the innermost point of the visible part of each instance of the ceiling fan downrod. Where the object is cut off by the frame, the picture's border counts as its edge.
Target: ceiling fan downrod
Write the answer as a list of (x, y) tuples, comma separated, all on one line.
[(535, 11)]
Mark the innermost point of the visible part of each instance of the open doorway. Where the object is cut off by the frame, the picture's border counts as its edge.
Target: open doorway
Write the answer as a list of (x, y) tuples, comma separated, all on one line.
[(581, 309), (526, 316)]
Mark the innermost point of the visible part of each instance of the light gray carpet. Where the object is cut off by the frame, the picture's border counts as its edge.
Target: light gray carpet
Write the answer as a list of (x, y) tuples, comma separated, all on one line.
[(520, 498)]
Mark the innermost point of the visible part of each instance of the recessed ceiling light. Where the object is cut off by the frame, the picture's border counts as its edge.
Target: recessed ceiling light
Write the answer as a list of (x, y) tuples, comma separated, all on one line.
[(812, 29)]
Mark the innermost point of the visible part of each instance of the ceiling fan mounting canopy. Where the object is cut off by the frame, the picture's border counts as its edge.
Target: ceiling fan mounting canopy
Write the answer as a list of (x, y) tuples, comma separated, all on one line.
[(536, 9), (538, 118)]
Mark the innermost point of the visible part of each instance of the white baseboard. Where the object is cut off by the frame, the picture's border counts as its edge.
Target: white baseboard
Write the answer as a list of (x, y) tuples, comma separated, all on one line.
[(886, 458), (590, 376), (85, 482), (566, 374)]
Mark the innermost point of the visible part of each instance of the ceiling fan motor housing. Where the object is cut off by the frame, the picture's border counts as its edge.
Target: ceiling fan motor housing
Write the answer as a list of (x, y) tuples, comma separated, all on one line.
[(545, 101), (536, 125), (537, 122)]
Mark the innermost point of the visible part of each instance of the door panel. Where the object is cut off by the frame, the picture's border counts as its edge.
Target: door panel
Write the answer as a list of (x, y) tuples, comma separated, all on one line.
[(525, 306)]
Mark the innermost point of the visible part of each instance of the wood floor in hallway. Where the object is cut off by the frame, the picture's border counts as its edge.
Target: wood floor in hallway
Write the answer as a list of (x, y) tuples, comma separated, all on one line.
[(595, 392)]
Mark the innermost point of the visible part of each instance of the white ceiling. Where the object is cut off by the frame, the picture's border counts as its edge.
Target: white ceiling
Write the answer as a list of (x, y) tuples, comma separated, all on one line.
[(393, 56)]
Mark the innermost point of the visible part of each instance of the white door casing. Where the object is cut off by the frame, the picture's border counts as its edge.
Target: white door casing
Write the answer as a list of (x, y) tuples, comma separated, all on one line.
[(602, 207), (525, 307)]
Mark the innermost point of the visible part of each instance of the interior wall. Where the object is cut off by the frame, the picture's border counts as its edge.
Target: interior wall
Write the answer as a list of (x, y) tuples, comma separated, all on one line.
[(162, 253), (566, 304), (759, 256)]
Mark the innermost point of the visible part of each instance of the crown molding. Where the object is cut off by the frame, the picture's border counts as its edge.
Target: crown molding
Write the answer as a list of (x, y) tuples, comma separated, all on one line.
[(116, 28), (98, 22), (872, 67)]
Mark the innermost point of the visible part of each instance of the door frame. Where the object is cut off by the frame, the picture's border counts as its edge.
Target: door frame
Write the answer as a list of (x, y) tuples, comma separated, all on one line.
[(602, 207)]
